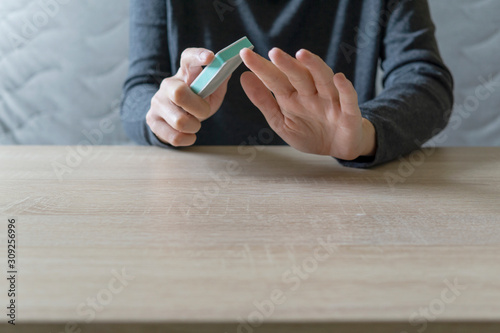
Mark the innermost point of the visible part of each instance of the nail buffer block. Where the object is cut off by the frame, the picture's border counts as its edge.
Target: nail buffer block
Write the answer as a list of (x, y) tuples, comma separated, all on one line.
[(225, 63)]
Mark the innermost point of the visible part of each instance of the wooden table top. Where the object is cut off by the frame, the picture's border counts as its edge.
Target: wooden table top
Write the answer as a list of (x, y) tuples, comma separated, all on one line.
[(236, 236)]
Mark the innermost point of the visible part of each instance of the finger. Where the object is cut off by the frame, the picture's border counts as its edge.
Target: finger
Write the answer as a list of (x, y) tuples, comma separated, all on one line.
[(321, 73), (274, 79), (179, 93), (347, 95), (192, 60), (262, 98), (179, 119), (165, 133), (298, 75)]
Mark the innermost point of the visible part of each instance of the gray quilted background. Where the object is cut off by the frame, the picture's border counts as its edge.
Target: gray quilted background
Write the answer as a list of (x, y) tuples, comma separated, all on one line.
[(62, 65), (63, 62)]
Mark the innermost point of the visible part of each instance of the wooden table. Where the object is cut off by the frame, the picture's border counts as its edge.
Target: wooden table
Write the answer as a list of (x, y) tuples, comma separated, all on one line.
[(221, 239)]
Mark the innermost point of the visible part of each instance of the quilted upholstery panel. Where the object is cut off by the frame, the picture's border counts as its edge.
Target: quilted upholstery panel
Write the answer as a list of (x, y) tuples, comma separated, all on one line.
[(469, 37), (62, 65), (62, 75)]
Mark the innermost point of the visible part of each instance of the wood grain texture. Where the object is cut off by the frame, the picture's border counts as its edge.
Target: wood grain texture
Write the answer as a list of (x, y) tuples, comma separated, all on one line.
[(212, 234)]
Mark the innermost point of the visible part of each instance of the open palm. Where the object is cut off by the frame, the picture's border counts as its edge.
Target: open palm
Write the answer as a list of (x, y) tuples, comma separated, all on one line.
[(308, 106)]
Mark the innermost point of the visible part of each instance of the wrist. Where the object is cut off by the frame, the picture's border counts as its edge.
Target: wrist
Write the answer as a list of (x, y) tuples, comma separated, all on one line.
[(369, 139)]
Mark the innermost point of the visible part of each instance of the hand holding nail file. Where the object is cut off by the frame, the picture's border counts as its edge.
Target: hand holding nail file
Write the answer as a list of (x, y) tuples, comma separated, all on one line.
[(225, 63)]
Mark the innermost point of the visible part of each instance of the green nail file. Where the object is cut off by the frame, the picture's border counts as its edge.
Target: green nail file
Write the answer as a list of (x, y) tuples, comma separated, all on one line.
[(225, 63)]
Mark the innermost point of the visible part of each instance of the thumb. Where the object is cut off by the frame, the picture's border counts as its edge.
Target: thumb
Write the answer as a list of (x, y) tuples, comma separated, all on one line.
[(263, 99), (347, 95)]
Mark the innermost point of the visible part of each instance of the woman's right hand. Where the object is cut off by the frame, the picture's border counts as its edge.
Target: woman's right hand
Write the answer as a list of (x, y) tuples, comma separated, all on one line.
[(176, 111)]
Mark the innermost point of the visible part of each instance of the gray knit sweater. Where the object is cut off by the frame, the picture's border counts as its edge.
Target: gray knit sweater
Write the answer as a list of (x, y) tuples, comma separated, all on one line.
[(352, 36)]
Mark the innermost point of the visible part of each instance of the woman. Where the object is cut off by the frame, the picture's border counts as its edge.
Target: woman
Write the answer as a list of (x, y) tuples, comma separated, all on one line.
[(295, 98)]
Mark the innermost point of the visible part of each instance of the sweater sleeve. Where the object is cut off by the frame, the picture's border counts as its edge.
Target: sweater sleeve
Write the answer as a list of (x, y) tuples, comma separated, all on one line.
[(417, 98), (149, 65)]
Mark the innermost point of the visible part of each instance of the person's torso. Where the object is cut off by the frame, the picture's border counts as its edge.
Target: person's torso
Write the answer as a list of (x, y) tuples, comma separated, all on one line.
[(344, 33)]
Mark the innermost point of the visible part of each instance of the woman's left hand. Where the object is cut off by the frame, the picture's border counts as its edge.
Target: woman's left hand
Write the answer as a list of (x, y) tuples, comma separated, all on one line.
[(312, 109)]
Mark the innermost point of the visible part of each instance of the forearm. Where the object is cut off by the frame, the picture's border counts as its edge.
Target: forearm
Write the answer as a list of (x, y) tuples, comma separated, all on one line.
[(418, 88), (136, 104), (149, 65), (414, 107)]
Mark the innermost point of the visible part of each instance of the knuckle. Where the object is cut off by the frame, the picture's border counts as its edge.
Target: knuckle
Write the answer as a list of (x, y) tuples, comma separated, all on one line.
[(186, 57), (153, 126), (186, 52), (179, 122), (176, 140), (154, 102), (190, 52), (164, 83), (149, 118), (179, 94)]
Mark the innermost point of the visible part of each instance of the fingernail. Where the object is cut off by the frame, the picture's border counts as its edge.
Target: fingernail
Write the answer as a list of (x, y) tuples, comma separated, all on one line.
[(277, 49), (304, 55)]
